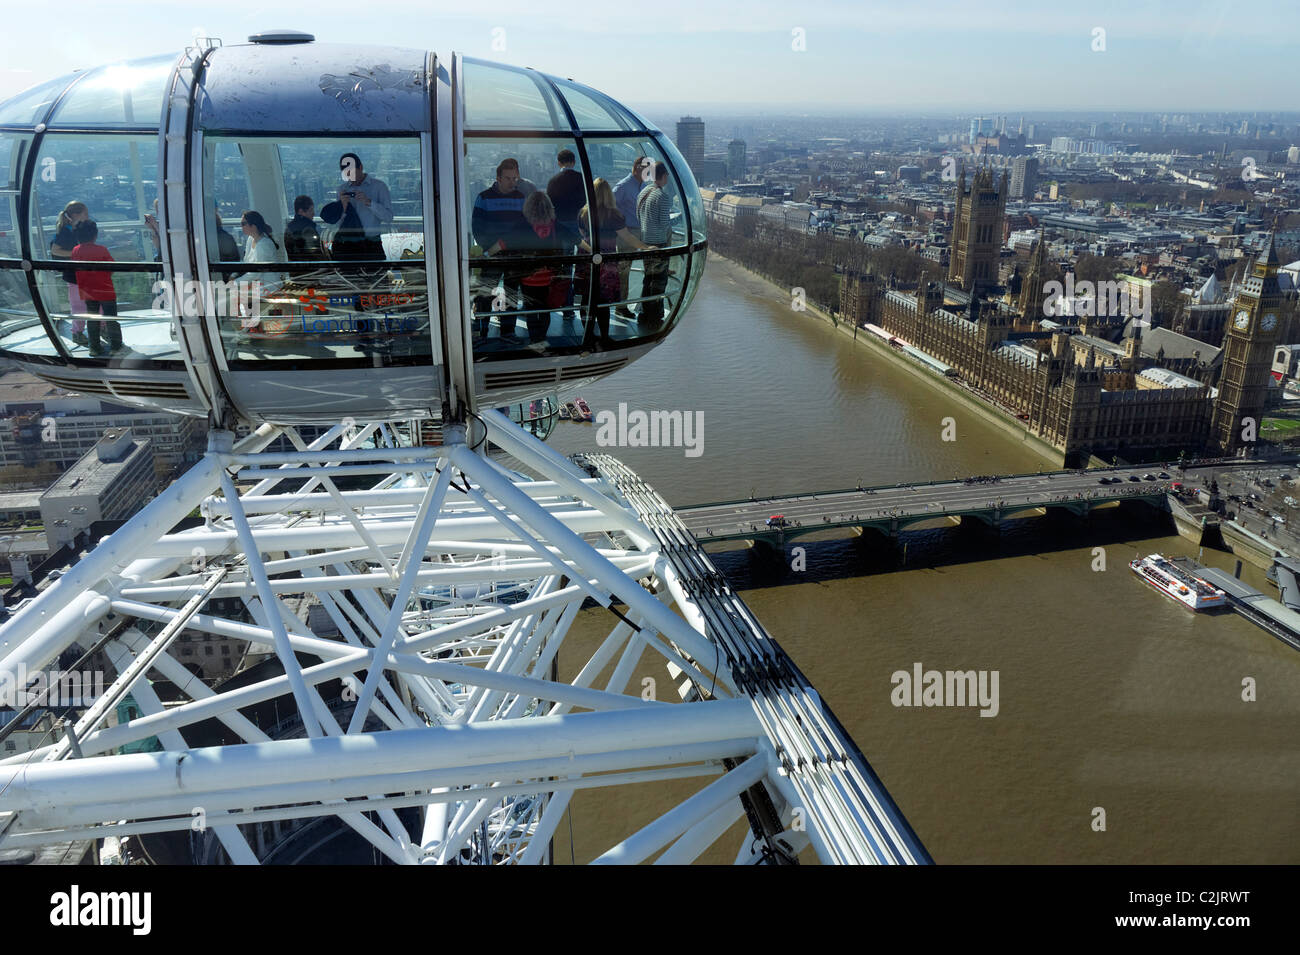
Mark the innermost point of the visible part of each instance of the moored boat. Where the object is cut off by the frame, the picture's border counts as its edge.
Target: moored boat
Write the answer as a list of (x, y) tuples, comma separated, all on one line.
[(1177, 584), (584, 410)]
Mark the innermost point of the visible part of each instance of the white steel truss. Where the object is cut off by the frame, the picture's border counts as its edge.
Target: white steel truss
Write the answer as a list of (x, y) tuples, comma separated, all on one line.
[(428, 717)]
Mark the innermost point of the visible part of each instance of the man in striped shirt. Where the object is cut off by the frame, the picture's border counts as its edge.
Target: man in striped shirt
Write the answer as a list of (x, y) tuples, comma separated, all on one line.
[(654, 208)]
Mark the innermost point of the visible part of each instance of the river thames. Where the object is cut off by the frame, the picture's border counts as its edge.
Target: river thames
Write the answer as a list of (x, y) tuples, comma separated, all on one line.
[(1115, 705)]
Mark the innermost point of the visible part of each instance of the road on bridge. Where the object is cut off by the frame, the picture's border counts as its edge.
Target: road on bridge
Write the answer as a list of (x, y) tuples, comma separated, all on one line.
[(735, 520)]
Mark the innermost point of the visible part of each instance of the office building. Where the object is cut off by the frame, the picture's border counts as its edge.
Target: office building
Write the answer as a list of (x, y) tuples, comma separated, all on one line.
[(690, 140), (1024, 177)]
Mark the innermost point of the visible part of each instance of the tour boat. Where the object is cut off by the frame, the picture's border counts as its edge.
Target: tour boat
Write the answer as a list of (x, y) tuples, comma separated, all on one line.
[(571, 412), (584, 410), (1177, 584), (564, 410)]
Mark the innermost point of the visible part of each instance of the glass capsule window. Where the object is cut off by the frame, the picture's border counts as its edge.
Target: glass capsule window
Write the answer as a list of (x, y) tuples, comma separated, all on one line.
[(21, 331), (573, 244), (115, 177), (120, 94), (33, 106), (109, 314), (503, 97), (13, 154), (316, 250), (92, 244)]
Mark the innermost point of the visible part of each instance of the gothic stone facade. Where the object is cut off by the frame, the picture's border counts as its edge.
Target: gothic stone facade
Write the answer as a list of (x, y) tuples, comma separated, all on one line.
[(1080, 407)]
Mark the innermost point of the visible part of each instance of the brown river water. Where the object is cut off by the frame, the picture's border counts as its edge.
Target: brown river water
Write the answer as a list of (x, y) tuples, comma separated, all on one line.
[(1109, 696)]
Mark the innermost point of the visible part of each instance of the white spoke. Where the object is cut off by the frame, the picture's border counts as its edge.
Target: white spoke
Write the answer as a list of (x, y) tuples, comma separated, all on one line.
[(411, 635)]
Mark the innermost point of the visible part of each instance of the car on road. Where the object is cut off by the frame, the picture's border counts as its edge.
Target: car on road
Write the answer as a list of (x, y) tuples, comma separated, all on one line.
[(1103, 480), (1148, 477), (777, 520), (1164, 475), (1134, 478)]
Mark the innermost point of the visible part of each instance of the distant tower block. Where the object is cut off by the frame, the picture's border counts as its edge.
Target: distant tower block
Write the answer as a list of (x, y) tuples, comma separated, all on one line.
[(1024, 177), (977, 230), (690, 140), (736, 164)]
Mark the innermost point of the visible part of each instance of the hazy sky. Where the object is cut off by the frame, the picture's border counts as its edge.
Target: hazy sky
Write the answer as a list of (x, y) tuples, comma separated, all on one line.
[(963, 55)]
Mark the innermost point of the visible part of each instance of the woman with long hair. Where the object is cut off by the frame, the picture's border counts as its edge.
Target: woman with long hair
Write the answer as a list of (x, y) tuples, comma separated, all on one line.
[(614, 234), (65, 240), (260, 247)]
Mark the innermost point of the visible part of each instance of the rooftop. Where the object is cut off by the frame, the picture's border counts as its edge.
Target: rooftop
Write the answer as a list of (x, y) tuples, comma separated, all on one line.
[(1169, 379), (1175, 345), (91, 475), (20, 500)]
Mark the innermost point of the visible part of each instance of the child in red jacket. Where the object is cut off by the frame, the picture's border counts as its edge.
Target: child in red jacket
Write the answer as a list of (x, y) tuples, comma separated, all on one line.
[(97, 291)]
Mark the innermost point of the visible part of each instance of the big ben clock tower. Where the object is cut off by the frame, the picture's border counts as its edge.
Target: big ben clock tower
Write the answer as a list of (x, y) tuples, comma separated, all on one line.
[(1247, 356)]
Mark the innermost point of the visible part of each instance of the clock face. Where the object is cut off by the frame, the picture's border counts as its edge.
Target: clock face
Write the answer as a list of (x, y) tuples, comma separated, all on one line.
[(1270, 322), (1243, 319)]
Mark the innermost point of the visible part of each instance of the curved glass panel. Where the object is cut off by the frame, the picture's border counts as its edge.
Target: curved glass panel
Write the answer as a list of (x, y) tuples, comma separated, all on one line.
[(122, 94), (113, 177), (663, 282), (591, 110), (628, 166), (353, 208), (13, 154), (20, 328), (310, 87), (501, 97), (500, 176), (539, 416), (335, 313), (689, 186), (693, 285), (303, 189), (524, 310), (31, 106), (107, 314)]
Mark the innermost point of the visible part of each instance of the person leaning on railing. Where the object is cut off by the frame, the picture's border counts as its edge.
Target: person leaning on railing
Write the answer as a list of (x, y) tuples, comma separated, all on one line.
[(546, 287), (614, 234), (654, 210)]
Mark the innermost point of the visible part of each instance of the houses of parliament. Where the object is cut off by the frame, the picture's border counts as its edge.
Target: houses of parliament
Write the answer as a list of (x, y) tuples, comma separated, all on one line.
[(1089, 384)]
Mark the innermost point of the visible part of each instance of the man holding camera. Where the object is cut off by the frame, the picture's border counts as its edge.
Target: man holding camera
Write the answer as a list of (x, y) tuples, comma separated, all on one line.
[(365, 210)]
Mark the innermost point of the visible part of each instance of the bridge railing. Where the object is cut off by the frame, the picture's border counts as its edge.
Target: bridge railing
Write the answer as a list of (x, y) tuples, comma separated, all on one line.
[(1200, 463)]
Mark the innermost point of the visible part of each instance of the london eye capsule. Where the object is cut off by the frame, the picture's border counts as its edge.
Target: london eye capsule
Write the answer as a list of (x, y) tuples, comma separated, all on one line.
[(292, 232)]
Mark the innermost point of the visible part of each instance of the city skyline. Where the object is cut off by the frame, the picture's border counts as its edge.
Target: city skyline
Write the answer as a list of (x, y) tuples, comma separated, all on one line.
[(1163, 57)]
